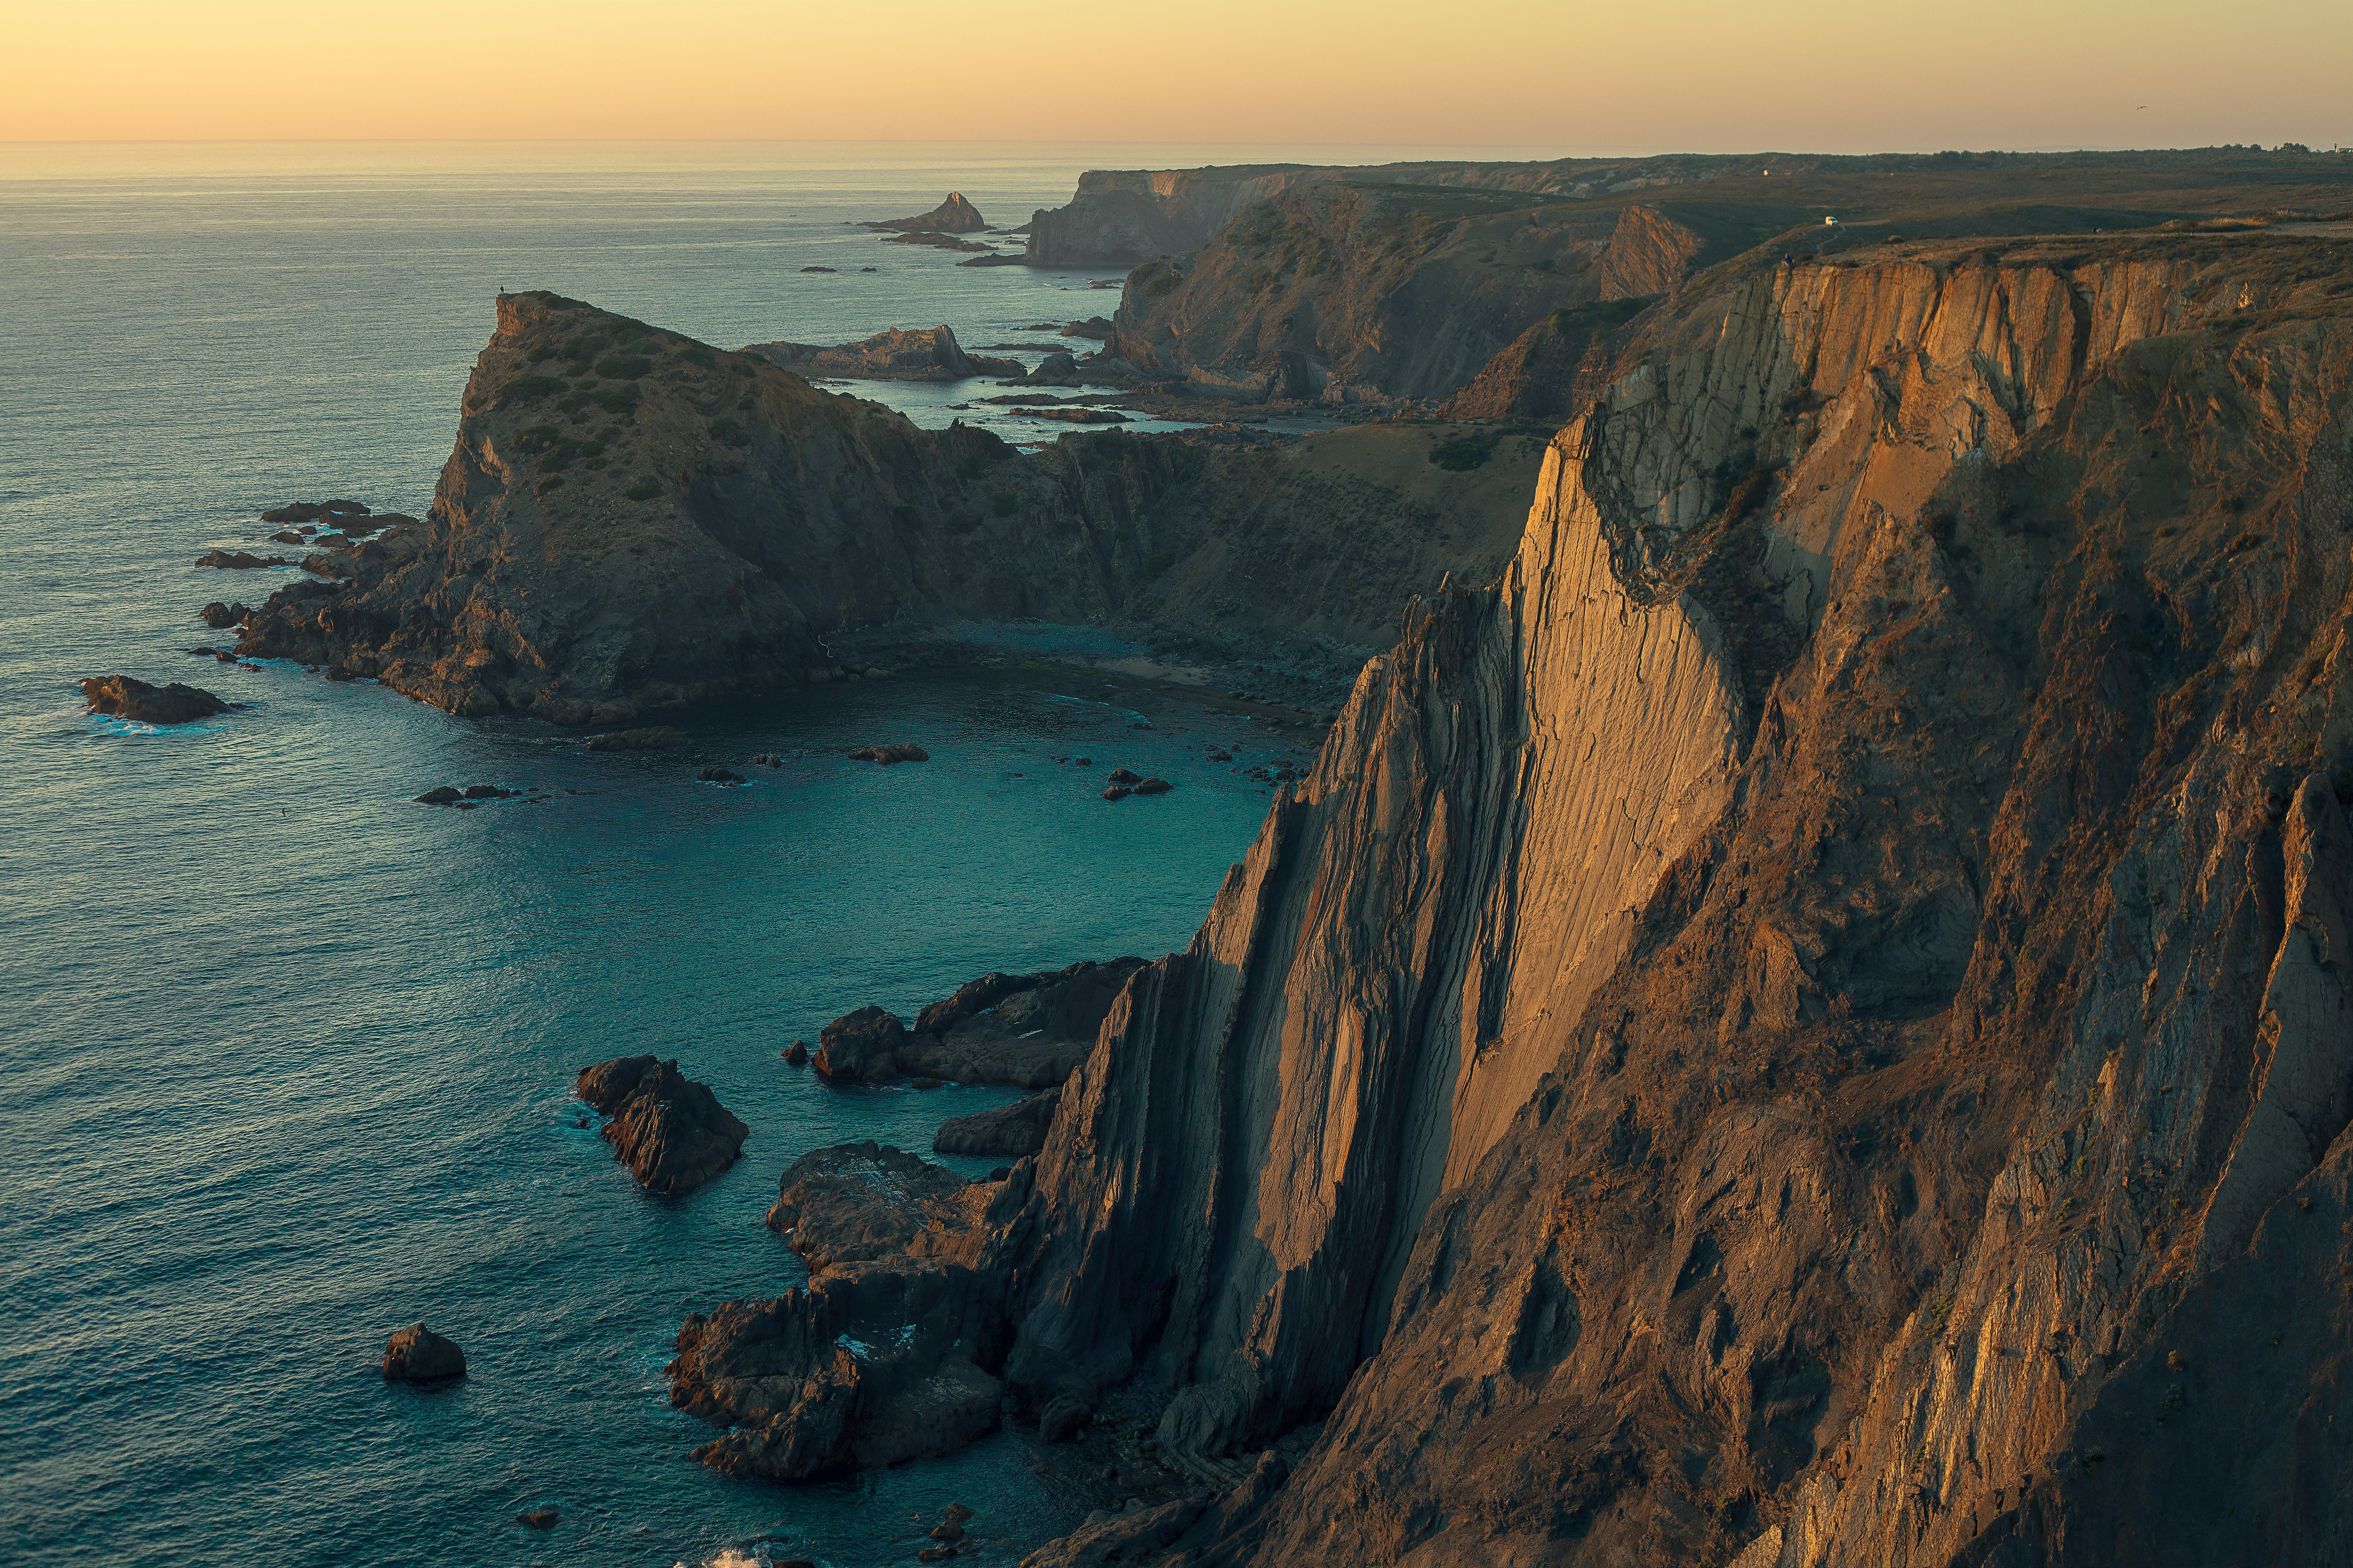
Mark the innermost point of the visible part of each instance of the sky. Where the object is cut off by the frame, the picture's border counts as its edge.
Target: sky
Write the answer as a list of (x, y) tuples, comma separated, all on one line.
[(1557, 77)]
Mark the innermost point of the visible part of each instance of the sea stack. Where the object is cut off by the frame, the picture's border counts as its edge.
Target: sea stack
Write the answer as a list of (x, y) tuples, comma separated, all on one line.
[(671, 1131), (417, 1354)]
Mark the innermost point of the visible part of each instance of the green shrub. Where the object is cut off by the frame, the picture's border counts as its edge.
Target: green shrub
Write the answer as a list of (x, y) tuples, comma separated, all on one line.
[(553, 482), (623, 367), (1460, 455), (727, 430), (1160, 561), (541, 352), (907, 514), (645, 489), (557, 450), (1006, 502), (527, 389), (695, 353), (620, 400)]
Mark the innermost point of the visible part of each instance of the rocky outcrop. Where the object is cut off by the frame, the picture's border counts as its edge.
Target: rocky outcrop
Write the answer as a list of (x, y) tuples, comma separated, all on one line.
[(239, 560), (632, 521), (417, 1354), (120, 697), (671, 1131), (1009, 1132), (954, 215), (871, 1365), (855, 1202), (1027, 1030), (894, 355)]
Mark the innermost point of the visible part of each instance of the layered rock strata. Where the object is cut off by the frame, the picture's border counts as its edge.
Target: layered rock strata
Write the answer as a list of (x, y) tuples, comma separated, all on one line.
[(671, 1131), (1800, 1022), (1007, 1131)]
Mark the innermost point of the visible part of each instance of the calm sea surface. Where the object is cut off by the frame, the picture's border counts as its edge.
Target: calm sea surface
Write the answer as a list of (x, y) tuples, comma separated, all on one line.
[(288, 1058)]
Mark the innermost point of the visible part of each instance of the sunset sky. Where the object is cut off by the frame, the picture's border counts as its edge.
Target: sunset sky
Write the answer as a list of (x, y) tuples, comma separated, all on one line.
[(1825, 75)]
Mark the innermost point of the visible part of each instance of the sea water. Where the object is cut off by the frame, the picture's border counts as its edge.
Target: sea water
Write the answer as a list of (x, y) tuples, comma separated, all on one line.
[(288, 1058)]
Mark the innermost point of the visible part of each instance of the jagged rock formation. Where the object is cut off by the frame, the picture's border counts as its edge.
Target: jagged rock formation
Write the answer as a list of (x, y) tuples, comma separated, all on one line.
[(1344, 292), (671, 1131), (1801, 1020), (1557, 368), (122, 697), (662, 523), (893, 355), (1027, 1030), (853, 1202), (954, 215)]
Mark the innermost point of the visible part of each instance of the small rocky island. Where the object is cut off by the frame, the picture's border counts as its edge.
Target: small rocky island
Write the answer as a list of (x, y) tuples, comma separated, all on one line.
[(671, 1131), (120, 697)]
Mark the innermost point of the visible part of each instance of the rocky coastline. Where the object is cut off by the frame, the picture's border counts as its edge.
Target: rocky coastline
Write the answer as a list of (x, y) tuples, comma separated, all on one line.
[(1892, 1036)]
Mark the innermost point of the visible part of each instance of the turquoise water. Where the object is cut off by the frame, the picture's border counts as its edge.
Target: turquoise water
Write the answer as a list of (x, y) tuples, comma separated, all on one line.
[(289, 1057)]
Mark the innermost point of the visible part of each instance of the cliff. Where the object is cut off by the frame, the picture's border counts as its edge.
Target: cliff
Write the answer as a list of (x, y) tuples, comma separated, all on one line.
[(631, 521), (1342, 292), (1803, 1022)]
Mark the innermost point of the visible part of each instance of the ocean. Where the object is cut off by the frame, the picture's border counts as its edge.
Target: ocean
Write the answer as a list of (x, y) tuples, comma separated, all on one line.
[(289, 1057)]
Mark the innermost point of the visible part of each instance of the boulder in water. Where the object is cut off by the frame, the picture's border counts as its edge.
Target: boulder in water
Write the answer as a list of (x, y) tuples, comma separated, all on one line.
[(220, 616), (120, 697), (671, 1131), (903, 751), (417, 1354)]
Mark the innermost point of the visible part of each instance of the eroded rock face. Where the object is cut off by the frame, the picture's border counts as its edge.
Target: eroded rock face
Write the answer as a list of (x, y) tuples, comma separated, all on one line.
[(417, 1354), (120, 697), (671, 1131)]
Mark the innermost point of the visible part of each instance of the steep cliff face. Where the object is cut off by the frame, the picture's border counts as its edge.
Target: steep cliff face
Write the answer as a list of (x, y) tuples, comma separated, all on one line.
[(631, 521), (1953, 1140), (1805, 1023), (1356, 291)]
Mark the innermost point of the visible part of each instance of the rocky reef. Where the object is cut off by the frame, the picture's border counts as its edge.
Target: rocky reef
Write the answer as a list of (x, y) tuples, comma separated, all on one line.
[(1799, 1025), (671, 1131)]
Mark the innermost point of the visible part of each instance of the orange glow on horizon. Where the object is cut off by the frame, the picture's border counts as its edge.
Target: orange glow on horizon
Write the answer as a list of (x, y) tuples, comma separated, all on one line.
[(1823, 75)]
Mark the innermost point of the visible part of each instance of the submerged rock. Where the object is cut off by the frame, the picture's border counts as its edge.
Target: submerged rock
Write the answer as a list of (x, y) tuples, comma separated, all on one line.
[(417, 1354), (905, 751), (656, 738), (1154, 787), (239, 560), (718, 776), (539, 1518), (120, 697), (671, 1131)]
